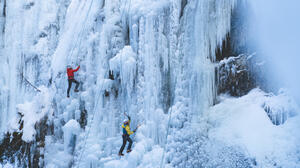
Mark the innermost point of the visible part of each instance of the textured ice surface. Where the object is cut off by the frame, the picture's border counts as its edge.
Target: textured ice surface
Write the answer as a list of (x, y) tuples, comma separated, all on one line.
[(161, 54)]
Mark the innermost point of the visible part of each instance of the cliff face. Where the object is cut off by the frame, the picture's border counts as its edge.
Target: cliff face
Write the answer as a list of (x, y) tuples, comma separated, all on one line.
[(162, 62)]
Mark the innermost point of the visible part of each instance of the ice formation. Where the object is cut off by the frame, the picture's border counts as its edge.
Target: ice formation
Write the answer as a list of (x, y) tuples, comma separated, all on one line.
[(154, 60)]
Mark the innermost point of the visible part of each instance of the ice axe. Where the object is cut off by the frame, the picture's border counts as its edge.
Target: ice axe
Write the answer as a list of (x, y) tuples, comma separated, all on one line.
[(125, 114), (137, 127)]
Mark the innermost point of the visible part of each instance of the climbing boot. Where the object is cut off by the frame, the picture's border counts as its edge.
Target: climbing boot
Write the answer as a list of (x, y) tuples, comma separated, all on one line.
[(121, 154), (76, 90), (68, 96), (128, 150)]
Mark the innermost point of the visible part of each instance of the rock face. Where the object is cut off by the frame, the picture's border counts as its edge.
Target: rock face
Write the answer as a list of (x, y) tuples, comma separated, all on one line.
[(237, 71), (25, 154), (235, 76)]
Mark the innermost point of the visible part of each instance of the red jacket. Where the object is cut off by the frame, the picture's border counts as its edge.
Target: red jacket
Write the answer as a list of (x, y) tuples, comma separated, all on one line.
[(71, 71)]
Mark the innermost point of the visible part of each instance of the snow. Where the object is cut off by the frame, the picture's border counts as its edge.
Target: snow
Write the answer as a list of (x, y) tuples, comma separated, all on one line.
[(33, 112), (138, 158), (244, 122)]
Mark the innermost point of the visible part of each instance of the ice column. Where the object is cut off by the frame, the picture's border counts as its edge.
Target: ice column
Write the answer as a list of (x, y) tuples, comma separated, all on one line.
[(211, 25)]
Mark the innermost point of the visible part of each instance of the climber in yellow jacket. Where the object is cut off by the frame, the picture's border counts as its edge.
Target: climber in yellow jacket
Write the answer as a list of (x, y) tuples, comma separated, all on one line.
[(126, 136)]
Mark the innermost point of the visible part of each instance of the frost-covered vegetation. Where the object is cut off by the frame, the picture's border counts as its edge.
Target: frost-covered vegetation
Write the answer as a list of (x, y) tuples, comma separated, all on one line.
[(168, 64)]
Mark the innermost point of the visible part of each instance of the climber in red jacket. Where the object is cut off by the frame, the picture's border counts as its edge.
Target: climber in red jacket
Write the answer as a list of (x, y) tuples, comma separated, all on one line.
[(71, 79)]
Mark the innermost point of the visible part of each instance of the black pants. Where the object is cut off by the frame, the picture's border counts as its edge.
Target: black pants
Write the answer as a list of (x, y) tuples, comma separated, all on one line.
[(125, 139), (70, 85)]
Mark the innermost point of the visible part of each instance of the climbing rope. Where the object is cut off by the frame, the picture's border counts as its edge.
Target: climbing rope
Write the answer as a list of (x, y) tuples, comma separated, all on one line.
[(96, 105), (79, 37), (166, 138), (91, 123)]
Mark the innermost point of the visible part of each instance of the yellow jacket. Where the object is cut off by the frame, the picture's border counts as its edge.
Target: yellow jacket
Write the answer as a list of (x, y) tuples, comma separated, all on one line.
[(126, 129)]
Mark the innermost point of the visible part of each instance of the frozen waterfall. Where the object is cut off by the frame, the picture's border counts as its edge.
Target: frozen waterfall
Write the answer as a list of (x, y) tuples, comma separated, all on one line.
[(156, 61)]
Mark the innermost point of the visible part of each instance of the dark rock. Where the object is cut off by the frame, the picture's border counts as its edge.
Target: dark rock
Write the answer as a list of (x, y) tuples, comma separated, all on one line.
[(25, 154), (234, 76), (83, 118)]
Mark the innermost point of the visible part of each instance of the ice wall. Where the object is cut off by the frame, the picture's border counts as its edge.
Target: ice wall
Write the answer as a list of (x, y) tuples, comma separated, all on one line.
[(28, 38), (161, 54)]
